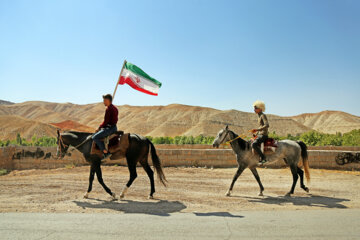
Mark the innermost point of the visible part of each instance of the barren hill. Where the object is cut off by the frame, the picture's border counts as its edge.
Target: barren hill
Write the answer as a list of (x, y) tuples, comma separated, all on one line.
[(11, 125), (178, 119), (3, 102), (71, 125), (329, 121), (173, 120)]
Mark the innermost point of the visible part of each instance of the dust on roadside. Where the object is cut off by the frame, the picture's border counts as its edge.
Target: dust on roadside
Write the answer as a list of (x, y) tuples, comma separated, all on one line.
[(189, 190)]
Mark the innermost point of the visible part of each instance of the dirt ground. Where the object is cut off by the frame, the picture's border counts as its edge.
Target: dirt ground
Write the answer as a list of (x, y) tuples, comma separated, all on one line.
[(189, 190)]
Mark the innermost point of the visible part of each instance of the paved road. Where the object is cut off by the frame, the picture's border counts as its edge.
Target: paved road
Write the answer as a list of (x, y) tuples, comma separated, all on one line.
[(302, 224)]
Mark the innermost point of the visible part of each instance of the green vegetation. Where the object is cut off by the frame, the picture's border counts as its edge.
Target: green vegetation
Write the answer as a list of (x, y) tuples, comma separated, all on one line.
[(312, 138), (3, 172), (70, 165), (35, 141), (182, 140)]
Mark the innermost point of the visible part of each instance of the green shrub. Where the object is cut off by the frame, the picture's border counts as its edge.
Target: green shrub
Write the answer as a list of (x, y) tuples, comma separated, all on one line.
[(311, 138), (3, 172)]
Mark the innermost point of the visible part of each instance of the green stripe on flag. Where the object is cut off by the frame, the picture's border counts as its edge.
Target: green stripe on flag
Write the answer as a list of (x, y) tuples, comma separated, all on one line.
[(135, 69)]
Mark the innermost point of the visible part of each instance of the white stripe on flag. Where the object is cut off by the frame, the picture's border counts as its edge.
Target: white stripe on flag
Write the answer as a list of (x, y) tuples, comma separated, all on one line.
[(140, 81)]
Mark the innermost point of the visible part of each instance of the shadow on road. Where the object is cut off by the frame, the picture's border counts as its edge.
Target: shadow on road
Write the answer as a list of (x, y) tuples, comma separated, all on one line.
[(312, 201), (160, 208), (217, 214)]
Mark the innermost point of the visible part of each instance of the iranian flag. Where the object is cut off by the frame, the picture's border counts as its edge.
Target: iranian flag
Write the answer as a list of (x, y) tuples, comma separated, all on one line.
[(138, 79)]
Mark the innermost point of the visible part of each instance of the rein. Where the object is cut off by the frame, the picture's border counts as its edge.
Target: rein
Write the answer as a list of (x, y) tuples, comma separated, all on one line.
[(62, 145), (231, 140)]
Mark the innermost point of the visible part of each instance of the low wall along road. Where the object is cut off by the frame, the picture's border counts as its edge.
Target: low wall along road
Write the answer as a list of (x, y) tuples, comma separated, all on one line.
[(19, 158)]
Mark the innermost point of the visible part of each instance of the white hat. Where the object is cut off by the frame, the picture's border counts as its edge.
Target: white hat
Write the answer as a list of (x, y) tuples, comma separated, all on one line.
[(259, 104)]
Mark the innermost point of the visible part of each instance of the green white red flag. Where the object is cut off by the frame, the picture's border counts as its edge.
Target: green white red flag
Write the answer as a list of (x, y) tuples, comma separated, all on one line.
[(136, 78)]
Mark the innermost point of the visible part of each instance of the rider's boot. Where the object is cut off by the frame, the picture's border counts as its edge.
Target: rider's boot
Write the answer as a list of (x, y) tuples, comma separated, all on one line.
[(106, 156), (262, 161)]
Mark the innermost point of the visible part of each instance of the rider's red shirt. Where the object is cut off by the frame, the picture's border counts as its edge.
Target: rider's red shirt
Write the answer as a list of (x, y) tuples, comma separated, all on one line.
[(111, 116)]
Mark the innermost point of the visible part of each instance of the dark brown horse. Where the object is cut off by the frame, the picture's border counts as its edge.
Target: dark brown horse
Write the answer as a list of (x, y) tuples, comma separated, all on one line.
[(137, 151)]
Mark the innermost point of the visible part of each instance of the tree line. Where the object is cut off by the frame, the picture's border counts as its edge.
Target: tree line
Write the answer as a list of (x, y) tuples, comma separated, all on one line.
[(311, 138), (314, 138), (43, 141)]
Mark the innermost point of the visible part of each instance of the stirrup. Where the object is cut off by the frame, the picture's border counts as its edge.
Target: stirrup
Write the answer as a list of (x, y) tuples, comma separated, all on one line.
[(106, 142), (106, 156), (262, 162)]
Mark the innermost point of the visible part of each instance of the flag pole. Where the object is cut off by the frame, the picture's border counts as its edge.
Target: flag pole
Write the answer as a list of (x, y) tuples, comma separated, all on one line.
[(117, 83)]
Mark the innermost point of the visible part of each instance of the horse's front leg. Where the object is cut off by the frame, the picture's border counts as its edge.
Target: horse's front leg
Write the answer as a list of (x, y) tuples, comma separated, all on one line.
[(240, 169), (257, 177), (101, 181), (91, 179)]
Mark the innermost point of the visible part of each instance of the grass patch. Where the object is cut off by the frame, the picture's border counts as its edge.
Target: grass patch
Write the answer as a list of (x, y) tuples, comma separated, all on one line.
[(3, 172), (71, 165)]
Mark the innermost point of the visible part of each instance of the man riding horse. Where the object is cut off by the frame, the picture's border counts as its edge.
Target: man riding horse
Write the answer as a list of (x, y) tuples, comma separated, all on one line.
[(261, 132), (107, 127)]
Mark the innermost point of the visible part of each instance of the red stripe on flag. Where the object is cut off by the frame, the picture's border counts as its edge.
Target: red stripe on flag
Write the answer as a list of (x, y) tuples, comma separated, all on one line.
[(128, 81)]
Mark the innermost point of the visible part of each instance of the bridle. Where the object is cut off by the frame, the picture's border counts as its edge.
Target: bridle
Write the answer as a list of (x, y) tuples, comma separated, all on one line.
[(231, 140), (61, 145), (223, 138)]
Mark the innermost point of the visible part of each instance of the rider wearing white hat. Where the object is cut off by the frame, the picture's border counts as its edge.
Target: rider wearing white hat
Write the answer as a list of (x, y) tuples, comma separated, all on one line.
[(263, 130)]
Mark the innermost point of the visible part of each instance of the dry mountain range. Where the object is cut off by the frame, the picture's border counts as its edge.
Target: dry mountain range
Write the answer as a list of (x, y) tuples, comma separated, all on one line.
[(43, 118)]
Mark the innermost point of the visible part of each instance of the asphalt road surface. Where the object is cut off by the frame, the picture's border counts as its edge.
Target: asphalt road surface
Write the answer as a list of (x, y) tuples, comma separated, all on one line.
[(300, 224)]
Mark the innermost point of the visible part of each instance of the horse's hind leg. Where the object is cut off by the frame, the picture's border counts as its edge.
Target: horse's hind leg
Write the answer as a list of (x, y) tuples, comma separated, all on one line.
[(301, 174), (294, 173), (240, 169), (101, 181), (91, 179), (257, 177), (133, 176), (150, 174)]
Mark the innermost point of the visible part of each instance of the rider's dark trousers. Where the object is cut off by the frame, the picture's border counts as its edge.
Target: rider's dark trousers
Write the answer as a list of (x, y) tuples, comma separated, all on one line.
[(257, 145), (102, 133)]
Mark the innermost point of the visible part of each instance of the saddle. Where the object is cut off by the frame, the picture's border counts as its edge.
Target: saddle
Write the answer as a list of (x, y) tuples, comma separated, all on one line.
[(117, 144), (267, 147)]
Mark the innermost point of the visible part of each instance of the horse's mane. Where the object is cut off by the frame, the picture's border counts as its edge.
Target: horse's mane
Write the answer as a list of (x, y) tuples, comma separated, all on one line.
[(76, 134), (242, 143)]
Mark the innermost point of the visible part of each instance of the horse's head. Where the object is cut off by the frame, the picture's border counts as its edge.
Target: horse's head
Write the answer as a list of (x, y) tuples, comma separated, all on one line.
[(221, 137), (62, 145)]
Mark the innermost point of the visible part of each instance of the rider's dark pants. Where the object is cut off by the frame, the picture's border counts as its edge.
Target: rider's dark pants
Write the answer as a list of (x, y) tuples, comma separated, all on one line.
[(257, 145), (104, 132)]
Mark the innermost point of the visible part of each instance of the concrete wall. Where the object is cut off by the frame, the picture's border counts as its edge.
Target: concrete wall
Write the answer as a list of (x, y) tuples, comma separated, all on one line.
[(43, 158), (203, 146), (36, 157)]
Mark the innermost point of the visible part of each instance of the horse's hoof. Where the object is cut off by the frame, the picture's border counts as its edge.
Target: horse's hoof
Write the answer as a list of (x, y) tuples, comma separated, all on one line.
[(86, 195), (288, 194), (307, 190), (261, 194), (228, 193), (122, 194), (150, 197), (113, 196)]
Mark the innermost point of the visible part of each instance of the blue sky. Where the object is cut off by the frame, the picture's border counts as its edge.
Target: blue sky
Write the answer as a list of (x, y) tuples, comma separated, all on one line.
[(297, 56)]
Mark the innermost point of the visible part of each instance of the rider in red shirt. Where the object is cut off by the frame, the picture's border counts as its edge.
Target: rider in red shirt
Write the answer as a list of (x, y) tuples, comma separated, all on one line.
[(108, 126)]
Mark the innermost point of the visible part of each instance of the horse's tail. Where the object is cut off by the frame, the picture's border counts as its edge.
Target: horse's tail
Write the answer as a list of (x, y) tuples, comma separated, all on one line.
[(157, 164), (304, 155)]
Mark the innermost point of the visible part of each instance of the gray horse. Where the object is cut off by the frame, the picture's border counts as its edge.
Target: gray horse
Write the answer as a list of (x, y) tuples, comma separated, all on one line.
[(289, 151)]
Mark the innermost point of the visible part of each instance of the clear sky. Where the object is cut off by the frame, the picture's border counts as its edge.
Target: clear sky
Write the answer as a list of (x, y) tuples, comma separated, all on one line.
[(297, 56)]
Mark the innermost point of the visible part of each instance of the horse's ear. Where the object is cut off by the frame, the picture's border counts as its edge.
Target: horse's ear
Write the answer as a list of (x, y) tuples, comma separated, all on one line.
[(227, 127), (58, 132)]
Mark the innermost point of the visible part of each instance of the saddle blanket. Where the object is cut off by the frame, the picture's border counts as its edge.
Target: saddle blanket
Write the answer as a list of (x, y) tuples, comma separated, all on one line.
[(117, 145)]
